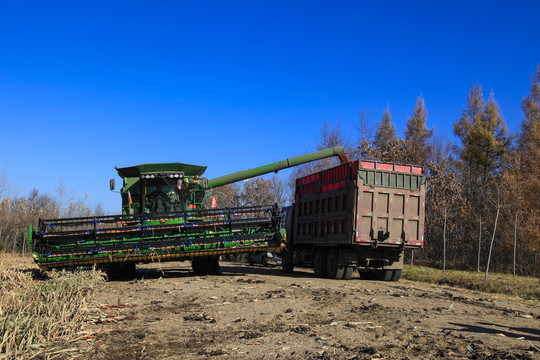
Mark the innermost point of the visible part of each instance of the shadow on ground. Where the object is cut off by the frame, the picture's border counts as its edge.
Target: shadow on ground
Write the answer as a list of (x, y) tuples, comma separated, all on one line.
[(489, 328), (154, 271)]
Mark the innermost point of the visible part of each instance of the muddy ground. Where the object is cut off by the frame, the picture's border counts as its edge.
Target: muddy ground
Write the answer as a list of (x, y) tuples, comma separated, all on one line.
[(262, 313)]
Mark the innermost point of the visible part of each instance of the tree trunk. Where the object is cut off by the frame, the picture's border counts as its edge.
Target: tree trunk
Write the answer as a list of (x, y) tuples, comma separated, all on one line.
[(24, 243), (479, 244), (515, 241), (493, 237), (444, 242), (15, 241)]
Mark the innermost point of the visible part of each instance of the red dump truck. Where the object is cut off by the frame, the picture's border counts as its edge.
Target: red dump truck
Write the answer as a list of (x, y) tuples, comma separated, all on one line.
[(358, 215)]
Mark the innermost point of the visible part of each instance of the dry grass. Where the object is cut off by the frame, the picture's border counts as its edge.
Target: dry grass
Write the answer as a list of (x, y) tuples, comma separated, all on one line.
[(41, 314), (519, 286)]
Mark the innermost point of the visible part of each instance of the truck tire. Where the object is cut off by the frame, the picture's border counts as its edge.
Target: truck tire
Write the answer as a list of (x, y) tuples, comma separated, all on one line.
[(348, 273), (319, 263), (333, 270), (396, 275), (383, 275), (206, 265), (366, 275), (287, 264)]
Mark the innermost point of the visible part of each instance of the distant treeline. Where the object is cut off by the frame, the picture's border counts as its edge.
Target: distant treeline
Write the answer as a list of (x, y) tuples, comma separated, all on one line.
[(18, 212)]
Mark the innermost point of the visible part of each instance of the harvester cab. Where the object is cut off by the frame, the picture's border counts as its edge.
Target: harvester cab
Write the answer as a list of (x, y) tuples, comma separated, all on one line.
[(162, 188)]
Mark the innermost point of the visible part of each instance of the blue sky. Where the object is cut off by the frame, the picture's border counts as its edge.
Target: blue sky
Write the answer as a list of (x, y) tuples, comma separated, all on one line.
[(86, 86)]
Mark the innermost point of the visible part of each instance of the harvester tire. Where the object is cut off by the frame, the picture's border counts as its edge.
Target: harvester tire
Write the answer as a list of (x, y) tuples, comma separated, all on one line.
[(213, 265), (319, 263), (207, 265), (396, 275), (287, 264), (121, 271)]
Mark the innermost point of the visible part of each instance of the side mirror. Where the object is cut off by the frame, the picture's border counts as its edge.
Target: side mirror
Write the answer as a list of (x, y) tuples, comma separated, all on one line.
[(111, 184)]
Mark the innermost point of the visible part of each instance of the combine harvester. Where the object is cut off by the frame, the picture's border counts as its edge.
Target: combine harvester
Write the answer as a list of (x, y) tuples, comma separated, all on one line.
[(163, 220)]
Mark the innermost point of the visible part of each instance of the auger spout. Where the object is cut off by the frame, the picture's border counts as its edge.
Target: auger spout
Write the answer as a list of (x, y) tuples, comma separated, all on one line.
[(275, 167)]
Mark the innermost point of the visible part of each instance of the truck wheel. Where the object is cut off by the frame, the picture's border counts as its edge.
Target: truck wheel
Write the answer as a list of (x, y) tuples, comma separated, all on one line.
[(207, 265), (319, 263), (348, 273), (396, 275), (383, 275), (333, 270), (287, 264), (366, 275)]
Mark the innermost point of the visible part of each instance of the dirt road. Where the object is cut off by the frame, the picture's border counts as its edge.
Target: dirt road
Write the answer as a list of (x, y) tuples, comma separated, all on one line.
[(262, 313)]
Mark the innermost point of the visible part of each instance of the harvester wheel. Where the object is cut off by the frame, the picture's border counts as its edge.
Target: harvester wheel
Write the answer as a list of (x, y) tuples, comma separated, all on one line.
[(207, 265), (348, 273), (333, 269), (121, 271), (287, 264), (213, 265), (319, 263)]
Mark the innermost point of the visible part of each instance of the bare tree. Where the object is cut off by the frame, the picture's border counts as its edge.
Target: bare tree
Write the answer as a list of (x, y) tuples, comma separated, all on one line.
[(365, 149), (330, 135), (256, 191), (98, 209), (227, 195), (493, 234), (279, 190)]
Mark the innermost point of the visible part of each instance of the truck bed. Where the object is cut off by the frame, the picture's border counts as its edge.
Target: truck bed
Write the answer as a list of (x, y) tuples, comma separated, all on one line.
[(361, 204)]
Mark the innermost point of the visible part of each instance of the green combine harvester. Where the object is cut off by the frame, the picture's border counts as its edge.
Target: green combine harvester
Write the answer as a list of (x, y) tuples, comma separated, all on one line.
[(163, 219)]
